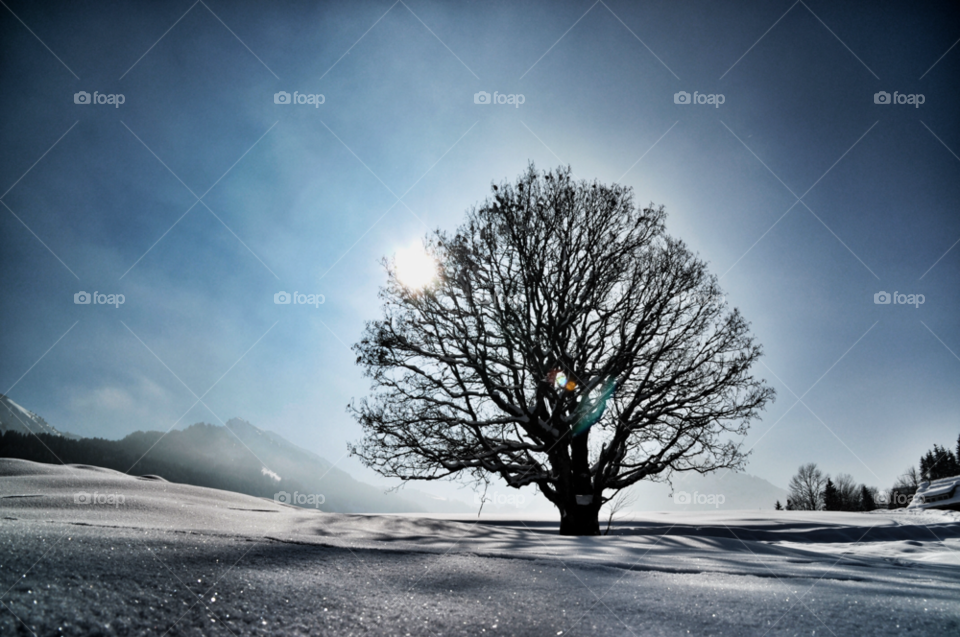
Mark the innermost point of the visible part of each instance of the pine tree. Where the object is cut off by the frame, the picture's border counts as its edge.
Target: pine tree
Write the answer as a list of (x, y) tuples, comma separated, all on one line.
[(867, 503), (940, 463), (936, 469), (777, 506), (926, 462), (831, 497)]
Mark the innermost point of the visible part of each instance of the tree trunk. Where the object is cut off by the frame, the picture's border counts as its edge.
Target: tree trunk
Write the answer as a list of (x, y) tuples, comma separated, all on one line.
[(581, 512), (580, 520)]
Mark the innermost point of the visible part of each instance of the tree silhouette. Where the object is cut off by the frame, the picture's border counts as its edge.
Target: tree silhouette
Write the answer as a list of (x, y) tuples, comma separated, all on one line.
[(848, 492), (904, 489), (832, 500), (567, 342), (806, 488), (867, 501), (939, 463)]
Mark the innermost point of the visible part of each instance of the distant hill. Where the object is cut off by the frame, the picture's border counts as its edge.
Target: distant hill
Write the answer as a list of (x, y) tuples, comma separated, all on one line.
[(738, 491), (239, 457), (13, 417), (340, 489)]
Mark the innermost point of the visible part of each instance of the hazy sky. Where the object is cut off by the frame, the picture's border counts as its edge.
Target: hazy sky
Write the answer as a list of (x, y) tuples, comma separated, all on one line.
[(308, 198)]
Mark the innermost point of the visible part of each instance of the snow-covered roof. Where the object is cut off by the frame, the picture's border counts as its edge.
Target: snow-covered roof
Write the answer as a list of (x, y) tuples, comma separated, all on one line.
[(938, 494)]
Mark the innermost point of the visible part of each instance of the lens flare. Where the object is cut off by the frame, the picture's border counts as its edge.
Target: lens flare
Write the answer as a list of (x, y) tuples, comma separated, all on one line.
[(592, 410), (559, 380)]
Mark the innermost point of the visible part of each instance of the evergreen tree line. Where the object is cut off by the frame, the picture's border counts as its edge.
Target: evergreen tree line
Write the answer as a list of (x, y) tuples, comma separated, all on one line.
[(812, 490), (940, 463)]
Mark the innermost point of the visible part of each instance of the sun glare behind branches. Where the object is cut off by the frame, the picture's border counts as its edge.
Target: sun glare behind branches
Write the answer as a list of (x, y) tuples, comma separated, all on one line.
[(415, 269)]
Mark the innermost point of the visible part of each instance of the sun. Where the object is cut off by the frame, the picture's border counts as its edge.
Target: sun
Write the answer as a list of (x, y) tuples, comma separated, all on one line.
[(415, 268)]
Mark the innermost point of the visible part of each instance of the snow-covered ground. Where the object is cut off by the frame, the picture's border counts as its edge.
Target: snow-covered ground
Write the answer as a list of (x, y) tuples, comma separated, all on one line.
[(91, 551)]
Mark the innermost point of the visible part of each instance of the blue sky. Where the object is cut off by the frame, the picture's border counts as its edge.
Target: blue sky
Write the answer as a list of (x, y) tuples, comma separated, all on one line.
[(309, 199)]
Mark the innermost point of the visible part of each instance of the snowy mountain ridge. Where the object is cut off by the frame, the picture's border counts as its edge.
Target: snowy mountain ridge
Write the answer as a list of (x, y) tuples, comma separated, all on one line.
[(14, 417)]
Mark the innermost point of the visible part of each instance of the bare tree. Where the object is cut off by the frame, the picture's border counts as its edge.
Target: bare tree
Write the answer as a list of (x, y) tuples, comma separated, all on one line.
[(567, 342), (806, 488), (848, 491), (616, 504), (910, 479), (903, 489)]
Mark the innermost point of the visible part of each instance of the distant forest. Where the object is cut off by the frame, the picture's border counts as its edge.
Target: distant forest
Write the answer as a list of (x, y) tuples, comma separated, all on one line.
[(179, 459), (812, 490)]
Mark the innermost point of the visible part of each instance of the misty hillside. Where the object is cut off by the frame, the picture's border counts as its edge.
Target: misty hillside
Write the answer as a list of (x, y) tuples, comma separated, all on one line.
[(254, 462), (719, 490), (295, 463)]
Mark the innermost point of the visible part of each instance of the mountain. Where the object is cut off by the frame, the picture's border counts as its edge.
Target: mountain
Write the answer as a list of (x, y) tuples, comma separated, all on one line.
[(317, 475), (13, 417), (238, 457)]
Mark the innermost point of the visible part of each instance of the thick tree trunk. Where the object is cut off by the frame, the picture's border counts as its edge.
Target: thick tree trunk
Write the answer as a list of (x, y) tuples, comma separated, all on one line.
[(580, 520), (580, 514)]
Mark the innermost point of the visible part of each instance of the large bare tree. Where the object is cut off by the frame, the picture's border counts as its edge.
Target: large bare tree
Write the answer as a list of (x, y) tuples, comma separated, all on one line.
[(567, 342)]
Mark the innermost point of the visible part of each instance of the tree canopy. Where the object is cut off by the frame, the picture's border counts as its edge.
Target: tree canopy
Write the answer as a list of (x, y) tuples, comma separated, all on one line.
[(567, 342)]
